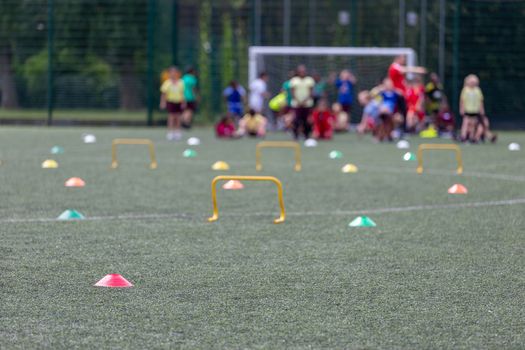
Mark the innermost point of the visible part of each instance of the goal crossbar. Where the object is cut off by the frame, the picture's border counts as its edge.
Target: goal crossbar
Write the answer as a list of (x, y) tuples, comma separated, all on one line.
[(257, 51)]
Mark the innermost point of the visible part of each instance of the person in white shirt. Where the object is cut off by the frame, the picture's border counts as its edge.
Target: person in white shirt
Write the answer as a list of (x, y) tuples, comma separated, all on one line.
[(302, 87), (258, 93)]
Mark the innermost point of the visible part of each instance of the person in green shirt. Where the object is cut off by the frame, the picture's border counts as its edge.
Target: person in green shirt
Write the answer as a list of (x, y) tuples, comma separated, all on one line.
[(190, 96)]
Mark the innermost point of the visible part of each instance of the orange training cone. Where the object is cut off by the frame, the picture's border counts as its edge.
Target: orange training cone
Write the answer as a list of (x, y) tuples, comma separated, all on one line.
[(458, 189), (113, 280), (75, 182), (233, 185)]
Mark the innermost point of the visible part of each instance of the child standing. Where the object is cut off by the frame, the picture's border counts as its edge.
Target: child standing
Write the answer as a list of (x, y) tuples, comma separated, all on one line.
[(345, 90), (323, 121), (235, 95), (472, 108), (172, 99)]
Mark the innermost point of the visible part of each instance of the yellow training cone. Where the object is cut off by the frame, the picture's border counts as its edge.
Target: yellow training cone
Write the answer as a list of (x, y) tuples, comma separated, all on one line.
[(349, 168), (220, 165), (49, 164)]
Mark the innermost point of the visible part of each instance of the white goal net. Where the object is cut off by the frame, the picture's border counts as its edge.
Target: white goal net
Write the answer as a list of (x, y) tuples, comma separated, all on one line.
[(369, 65)]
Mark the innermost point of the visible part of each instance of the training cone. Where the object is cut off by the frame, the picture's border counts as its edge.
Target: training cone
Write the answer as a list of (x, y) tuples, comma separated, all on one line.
[(71, 214), (409, 156), (514, 146), (233, 185), (362, 221), (403, 144), (75, 182), (89, 138), (49, 164), (220, 165), (193, 141), (114, 280), (458, 189), (349, 168), (335, 155), (429, 133), (57, 150), (189, 153), (310, 143)]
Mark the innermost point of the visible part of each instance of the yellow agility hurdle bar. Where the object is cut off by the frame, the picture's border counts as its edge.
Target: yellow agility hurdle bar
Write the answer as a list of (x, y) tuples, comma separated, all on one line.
[(439, 147), (276, 181), (277, 144), (147, 142)]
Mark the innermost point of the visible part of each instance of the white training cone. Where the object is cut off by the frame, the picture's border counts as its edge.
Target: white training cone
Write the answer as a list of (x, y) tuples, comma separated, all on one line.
[(403, 144), (194, 141), (514, 146), (310, 143), (89, 138)]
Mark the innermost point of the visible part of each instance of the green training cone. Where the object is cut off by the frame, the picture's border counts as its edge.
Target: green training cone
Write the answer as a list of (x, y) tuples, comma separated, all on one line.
[(57, 150), (189, 153), (71, 214), (409, 156), (362, 221), (335, 155)]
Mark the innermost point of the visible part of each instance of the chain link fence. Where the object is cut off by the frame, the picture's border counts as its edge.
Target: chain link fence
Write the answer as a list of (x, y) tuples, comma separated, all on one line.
[(101, 60)]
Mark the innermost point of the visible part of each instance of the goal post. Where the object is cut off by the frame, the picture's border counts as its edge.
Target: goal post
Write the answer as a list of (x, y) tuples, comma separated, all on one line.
[(257, 53)]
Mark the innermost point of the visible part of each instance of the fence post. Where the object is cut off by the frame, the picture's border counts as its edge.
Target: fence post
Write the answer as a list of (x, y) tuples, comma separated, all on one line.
[(150, 57), (50, 59), (455, 57)]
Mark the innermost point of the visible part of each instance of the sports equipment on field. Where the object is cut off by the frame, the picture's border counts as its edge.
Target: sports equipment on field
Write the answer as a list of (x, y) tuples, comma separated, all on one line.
[(147, 142), (278, 144), (71, 214), (49, 164), (439, 147), (349, 168), (362, 221), (75, 182), (220, 165), (458, 189), (276, 181), (113, 280)]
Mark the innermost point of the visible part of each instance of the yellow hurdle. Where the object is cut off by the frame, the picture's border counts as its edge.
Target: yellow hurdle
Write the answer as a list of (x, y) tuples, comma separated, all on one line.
[(278, 144), (276, 181), (439, 147), (147, 142)]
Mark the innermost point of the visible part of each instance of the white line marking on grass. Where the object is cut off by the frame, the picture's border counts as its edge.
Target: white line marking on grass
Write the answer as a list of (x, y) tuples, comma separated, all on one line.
[(201, 218)]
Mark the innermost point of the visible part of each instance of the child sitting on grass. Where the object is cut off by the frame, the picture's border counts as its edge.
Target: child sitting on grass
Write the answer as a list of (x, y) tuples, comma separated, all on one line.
[(225, 128), (341, 118), (323, 121), (252, 124)]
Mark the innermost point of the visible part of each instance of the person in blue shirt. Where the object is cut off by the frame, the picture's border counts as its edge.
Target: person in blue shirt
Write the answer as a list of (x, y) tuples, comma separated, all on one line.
[(235, 95), (345, 90)]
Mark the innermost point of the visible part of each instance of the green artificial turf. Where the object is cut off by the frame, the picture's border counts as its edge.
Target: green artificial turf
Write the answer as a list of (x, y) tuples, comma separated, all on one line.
[(445, 276)]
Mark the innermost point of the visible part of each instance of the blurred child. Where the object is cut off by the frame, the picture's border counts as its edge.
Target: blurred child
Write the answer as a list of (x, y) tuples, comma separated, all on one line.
[(370, 105), (345, 90), (252, 124), (172, 99), (323, 121), (415, 99), (190, 97), (445, 121), (475, 124), (225, 128), (234, 95), (341, 118), (390, 99), (435, 96)]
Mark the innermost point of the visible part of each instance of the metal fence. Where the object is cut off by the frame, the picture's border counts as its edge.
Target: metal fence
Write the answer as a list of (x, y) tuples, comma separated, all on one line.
[(101, 60)]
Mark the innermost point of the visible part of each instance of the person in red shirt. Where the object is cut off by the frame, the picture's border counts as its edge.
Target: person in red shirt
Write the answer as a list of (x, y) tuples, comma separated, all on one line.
[(396, 73), (323, 121), (415, 98)]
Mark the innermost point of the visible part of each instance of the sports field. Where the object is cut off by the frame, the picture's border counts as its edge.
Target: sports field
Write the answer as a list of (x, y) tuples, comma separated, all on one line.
[(438, 271)]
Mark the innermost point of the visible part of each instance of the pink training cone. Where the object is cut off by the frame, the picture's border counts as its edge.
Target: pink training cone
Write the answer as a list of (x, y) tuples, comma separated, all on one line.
[(114, 280), (75, 182), (233, 185), (458, 189)]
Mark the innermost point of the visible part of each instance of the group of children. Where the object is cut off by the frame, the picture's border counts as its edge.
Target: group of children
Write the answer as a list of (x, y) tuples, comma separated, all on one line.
[(396, 104)]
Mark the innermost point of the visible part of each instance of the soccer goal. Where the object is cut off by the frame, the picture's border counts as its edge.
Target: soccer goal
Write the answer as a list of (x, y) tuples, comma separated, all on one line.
[(369, 64)]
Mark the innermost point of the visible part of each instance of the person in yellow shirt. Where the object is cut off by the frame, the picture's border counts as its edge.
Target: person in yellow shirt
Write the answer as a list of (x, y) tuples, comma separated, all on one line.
[(252, 124), (172, 99), (475, 125)]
